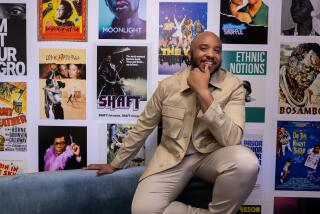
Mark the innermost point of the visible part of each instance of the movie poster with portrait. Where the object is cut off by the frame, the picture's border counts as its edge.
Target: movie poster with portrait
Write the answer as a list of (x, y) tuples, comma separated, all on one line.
[(13, 57), (111, 140), (62, 84), (243, 22), (251, 68), (299, 79), (62, 147), (64, 20), (12, 167), (122, 19), (179, 23), (13, 117), (296, 205), (300, 18), (297, 156), (121, 82)]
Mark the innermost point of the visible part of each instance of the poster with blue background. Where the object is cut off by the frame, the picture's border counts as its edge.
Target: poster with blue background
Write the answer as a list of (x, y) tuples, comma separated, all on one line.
[(179, 23), (298, 153)]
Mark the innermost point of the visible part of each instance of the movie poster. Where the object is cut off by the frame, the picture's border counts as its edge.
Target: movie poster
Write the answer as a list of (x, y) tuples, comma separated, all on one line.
[(12, 167), (13, 59), (62, 87), (242, 22), (121, 81), (251, 68), (62, 147), (112, 136), (253, 139), (298, 154), (299, 79), (64, 20), (122, 19), (300, 18), (179, 23), (13, 119), (250, 209), (294, 205)]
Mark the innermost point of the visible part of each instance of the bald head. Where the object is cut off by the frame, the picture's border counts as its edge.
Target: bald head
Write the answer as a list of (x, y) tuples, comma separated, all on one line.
[(205, 51), (204, 35)]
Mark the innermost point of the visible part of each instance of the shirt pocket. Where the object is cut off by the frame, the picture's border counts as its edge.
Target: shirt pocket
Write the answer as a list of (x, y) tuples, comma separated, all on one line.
[(172, 120)]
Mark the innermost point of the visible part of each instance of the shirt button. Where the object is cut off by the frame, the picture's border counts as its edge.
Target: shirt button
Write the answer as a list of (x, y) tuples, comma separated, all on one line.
[(185, 135)]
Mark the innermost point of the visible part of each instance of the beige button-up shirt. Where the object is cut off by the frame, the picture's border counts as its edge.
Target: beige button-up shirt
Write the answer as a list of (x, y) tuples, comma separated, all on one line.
[(176, 105)]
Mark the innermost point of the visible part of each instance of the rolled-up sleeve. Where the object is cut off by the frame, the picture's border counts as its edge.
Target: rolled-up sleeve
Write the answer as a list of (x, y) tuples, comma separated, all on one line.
[(227, 124)]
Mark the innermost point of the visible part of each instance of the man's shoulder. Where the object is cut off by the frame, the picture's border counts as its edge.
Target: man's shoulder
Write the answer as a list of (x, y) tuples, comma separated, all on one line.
[(173, 80)]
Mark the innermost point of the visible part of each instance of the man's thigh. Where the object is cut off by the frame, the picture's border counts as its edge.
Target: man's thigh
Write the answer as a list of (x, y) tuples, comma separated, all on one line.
[(157, 191)]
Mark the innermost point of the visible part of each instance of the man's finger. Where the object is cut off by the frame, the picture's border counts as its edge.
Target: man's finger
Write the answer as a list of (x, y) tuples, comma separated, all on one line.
[(93, 166), (102, 172)]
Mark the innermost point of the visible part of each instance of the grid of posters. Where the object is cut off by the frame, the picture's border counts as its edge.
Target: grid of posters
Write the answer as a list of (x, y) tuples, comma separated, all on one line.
[(13, 118), (179, 23), (62, 84), (121, 81), (297, 156), (62, 20), (62, 147), (13, 59)]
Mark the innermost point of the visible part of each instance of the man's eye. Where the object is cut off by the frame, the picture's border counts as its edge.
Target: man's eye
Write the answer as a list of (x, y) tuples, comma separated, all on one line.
[(16, 12)]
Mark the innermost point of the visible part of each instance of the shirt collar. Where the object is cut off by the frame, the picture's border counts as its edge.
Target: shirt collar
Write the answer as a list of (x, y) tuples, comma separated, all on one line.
[(216, 79)]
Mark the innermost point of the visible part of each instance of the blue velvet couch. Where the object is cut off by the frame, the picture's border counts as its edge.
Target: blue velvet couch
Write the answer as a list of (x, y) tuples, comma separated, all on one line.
[(81, 192)]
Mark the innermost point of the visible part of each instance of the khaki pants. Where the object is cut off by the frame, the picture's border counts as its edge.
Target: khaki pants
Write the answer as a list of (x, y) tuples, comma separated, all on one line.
[(233, 170)]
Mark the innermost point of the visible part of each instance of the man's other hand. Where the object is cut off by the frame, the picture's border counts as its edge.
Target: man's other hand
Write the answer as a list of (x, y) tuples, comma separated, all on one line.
[(102, 168)]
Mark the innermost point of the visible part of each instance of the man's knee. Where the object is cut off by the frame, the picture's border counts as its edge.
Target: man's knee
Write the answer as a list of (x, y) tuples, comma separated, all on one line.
[(141, 207), (247, 163)]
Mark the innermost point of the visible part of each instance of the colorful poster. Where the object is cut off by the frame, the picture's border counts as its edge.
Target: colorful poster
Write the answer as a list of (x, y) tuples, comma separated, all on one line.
[(250, 209), (122, 19), (300, 18), (251, 68), (13, 59), (244, 22), (62, 20), (13, 119), (12, 167), (179, 23), (62, 147), (62, 87), (112, 136), (121, 81), (299, 82), (298, 154), (294, 205)]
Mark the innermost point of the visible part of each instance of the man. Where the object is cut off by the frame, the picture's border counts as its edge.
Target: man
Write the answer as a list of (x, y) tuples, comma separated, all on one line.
[(109, 82), (126, 23), (61, 156), (284, 138), (12, 11), (301, 14), (313, 157), (258, 11), (202, 112), (63, 13)]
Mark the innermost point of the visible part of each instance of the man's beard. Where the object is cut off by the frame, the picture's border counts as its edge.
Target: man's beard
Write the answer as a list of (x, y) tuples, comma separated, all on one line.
[(195, 65)]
